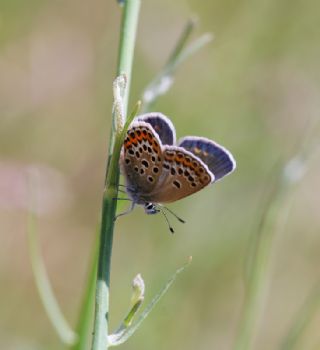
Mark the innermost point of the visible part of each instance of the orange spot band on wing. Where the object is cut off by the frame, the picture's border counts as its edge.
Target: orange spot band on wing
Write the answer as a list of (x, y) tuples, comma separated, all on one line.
[(150, 139), (139, 137)]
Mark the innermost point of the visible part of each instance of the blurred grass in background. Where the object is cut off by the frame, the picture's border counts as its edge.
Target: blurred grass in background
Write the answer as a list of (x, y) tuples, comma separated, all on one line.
[(255, 89)]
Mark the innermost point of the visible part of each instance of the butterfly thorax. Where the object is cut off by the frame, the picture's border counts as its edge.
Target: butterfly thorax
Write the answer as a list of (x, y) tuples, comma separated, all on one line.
[(134, 193)]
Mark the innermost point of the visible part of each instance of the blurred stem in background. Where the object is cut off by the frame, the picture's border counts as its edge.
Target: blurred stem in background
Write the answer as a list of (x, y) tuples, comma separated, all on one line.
[(164, 79), (271, 224), (256, 285), (43, 285), (300, 323)]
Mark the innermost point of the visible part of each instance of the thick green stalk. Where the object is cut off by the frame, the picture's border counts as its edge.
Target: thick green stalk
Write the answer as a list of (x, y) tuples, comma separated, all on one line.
[(127, 41), (126, 50)]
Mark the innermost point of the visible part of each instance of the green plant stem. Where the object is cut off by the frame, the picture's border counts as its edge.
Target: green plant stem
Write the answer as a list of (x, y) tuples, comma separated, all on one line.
[(101, 321), (127, 41)]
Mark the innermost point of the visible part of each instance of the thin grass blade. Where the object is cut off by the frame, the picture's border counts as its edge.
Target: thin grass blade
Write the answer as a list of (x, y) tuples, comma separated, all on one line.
[(124, 333)]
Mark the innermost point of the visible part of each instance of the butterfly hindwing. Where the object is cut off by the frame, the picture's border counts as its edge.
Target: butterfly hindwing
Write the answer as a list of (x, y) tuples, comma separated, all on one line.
[(218, 159), (182, 175)]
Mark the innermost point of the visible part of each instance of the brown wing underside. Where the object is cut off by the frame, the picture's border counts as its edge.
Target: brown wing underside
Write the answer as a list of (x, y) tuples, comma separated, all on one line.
[(182, 175), (141, 158)]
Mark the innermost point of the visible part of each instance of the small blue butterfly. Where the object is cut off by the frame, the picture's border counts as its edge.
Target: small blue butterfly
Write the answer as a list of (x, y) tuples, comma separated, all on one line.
[(157, 170)]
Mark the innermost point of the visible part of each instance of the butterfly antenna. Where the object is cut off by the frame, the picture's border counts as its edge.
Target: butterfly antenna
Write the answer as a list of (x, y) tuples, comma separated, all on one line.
[(174, 214), (167, 220)]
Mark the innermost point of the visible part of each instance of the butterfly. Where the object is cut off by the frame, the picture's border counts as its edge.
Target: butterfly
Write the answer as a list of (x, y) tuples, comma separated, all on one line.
[(158, 170)]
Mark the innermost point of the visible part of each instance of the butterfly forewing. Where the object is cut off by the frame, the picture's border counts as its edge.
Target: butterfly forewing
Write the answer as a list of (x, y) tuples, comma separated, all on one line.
[(162, 126), (141, 158), (182, 175)]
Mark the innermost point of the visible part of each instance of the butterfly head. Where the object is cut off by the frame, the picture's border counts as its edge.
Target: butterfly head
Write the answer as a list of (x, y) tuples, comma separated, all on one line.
[(151, 208)]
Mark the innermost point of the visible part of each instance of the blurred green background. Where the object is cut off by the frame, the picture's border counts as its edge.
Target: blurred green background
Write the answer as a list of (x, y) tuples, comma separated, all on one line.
[(254, 89)]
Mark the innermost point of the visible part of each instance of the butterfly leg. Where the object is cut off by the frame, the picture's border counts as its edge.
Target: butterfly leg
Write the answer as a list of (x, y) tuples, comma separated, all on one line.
[(124, 186), (121, 190), (127, 211)]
